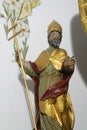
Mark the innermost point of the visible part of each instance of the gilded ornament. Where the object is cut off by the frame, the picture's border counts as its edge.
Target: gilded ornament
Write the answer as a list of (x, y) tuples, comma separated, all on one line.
[(83, 13), (54, 26)]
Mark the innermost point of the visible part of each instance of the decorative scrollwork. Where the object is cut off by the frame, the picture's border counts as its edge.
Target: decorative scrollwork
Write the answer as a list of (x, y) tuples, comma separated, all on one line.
[(83, 13)]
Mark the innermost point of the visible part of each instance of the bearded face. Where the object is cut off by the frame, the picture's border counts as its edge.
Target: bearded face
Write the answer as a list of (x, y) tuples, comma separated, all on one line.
[(54, 39)]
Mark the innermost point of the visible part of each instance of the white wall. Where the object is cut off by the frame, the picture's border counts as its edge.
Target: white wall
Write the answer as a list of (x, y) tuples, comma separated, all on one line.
[(14, 114)]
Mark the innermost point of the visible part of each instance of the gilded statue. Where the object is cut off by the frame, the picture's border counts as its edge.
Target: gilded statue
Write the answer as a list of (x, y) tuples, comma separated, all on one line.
[(51, 72)]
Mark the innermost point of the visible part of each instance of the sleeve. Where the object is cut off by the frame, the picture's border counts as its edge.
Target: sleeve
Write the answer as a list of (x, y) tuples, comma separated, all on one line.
[(29, 70)]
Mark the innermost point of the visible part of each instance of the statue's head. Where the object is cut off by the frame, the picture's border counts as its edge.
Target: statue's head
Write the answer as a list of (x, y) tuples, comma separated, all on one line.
[(54, 34)]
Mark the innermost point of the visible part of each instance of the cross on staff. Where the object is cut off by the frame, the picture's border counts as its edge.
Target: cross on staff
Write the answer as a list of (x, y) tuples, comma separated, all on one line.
[(15, 34), (22, 70)]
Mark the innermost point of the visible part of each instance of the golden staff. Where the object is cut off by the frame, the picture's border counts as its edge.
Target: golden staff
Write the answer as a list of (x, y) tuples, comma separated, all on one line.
[(23, 74)]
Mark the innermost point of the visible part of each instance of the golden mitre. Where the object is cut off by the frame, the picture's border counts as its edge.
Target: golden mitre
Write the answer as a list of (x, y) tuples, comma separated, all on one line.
[(54, 26)]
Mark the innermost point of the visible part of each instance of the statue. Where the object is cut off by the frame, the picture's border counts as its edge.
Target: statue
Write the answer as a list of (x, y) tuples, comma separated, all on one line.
[(51, 73)]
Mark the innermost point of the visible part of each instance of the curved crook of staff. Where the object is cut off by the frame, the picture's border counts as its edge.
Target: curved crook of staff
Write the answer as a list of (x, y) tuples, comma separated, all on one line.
[(23, 74)]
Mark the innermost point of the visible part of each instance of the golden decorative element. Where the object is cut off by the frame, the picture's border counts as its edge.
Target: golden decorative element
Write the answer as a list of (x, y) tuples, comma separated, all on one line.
[(54, 26), (12, 27), (83, 13), (24, 77), (15, 34), (35, 3), (57, 58), (43, 60), (54, 107), (26, 10)]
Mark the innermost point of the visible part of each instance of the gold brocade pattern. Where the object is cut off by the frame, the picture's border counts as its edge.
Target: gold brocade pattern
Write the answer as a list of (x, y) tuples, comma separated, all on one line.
[(53, 107)]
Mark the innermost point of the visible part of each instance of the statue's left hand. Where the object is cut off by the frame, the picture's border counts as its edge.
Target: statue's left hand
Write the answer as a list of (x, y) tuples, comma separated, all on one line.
[(69, 64)]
